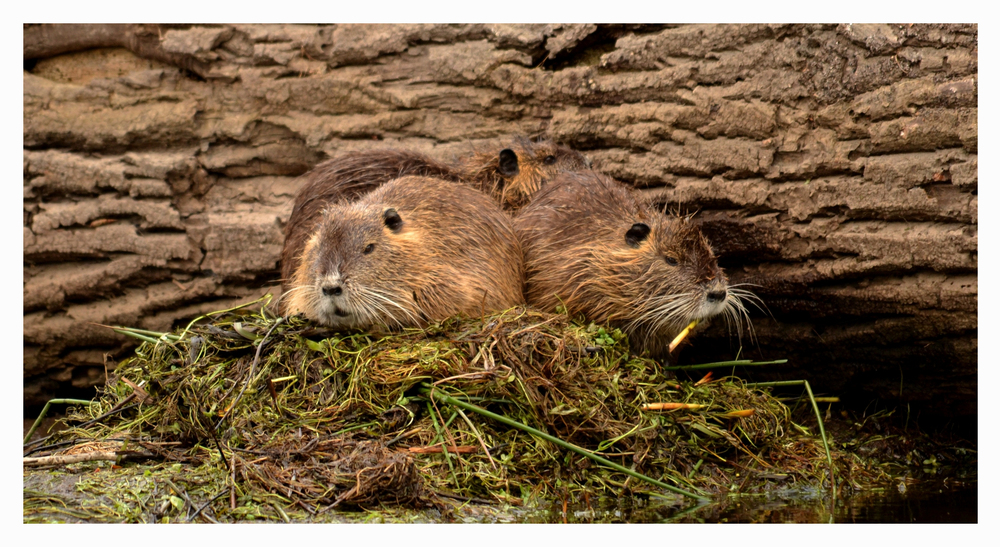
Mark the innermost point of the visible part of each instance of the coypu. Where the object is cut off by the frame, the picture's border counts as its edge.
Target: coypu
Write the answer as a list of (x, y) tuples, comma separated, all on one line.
[(397, 257), (510, 176), (591, 245), (516, 173)]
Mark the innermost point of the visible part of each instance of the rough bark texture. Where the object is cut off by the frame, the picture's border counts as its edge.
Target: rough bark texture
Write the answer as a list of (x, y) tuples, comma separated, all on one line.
[(835, 166)]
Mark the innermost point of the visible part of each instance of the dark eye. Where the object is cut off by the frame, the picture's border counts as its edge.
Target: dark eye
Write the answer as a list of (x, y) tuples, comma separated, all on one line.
[(549, 160), (369, 248), (670, 260)]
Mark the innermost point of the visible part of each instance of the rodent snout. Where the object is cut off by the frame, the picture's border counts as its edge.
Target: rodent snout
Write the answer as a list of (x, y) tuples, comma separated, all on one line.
[(332, 290), (713, 297)]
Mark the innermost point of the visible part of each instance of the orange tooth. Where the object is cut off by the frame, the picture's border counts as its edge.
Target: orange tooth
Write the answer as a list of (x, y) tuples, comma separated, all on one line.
[(680, 337)]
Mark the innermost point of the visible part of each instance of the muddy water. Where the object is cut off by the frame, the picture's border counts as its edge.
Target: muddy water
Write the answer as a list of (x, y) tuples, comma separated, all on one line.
[(929, 504), (942, 506)]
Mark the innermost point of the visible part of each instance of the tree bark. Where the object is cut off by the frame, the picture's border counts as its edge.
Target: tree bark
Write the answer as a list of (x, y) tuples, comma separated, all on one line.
[(832, 166)]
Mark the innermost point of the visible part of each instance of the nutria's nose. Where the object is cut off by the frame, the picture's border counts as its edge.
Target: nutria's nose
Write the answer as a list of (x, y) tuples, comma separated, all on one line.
[(335, 290), (715, 296)]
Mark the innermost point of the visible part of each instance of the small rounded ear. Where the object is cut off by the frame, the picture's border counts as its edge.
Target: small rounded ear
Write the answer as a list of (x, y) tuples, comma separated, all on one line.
[(508, 163), (636, 234), (392, 220)]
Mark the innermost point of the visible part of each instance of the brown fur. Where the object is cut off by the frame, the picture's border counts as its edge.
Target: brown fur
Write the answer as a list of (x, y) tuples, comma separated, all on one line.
[(537, 163), (576, 254), (345, 178), (448, 250), (356, 173)]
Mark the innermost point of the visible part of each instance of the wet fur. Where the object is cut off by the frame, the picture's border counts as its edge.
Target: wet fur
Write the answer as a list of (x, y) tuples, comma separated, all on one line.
[(482, 170), (353, 174), (342, 179), (577, 255), (455, 252)]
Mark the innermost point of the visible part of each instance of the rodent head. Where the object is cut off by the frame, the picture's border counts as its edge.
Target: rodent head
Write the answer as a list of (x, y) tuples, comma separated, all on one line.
[(347, 177), (344, 279), (516, 173), (668, 272), (593, 247)]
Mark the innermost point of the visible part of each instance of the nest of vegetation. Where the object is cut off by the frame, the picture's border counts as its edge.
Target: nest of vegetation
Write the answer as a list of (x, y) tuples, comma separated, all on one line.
[(278, 410)]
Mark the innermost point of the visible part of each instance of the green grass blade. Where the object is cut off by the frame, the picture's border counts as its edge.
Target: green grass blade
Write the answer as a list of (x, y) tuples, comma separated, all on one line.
[(437, 394), (45, 410), (739, 363)]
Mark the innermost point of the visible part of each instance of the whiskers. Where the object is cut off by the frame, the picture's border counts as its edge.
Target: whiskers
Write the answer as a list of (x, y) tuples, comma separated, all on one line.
[(735, 310), (297, 300), (381, 308), (662, 312), (663, 316), (365, 307)]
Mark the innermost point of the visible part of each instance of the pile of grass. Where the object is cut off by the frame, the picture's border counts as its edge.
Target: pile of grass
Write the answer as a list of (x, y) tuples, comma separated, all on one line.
[(519, 404)]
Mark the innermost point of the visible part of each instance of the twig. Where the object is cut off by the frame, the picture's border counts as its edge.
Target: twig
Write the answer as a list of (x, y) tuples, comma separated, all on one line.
[(440, 449), (680, 337), (207, 503), (66, 459), (64, 443), (137, 389), (232, 485), (96, 455), (672, 406)]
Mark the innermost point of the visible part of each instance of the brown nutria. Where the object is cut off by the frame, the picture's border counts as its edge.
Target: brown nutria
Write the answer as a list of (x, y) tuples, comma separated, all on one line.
[(509, 175), (592, 246), (344, 178), (415, 249), (518, 171)]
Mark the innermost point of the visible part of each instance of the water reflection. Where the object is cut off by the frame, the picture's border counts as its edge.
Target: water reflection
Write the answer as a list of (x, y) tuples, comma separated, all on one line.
[(931, 504)]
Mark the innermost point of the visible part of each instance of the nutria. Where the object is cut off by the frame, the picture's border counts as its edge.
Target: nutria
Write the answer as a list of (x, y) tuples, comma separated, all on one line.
[(517, 172), (509, 175), (414, 250), (592, 246)]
